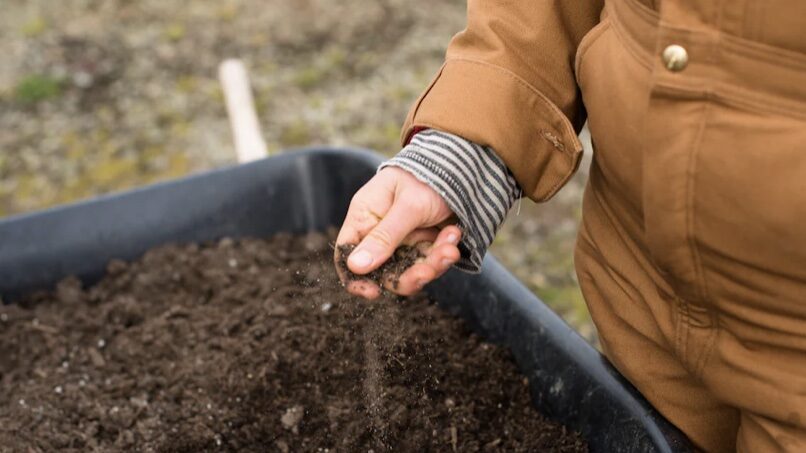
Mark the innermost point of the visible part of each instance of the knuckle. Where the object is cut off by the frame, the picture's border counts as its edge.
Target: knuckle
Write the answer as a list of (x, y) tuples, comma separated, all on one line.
[(381, 236), (357, 200), (360, 217)]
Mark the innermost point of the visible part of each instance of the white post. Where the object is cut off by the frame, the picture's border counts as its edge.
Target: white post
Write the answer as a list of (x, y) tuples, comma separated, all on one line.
[(249, 144)]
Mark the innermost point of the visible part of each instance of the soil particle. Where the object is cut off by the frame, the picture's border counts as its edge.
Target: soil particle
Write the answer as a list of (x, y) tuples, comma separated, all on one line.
[(199, 355), (292, 417), (390, 271)]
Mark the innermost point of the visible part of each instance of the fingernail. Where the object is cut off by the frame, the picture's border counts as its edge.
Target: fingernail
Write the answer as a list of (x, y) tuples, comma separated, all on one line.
[(361, 258), (419, 283), (446, 263), (452, 238)]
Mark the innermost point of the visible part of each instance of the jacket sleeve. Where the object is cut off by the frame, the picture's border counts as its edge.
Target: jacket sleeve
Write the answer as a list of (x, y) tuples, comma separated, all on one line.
[(508, 83)]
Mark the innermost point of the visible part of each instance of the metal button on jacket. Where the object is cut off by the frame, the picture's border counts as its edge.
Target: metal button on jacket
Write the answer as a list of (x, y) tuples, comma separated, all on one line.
[(675, 58)]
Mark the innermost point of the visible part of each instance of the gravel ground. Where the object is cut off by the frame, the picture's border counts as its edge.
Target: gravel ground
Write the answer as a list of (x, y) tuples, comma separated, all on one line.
[(102, 95)]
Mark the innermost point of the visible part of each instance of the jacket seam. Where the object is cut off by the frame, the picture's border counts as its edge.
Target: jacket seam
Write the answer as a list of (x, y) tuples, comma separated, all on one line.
[(770, 54), (705, 355), (634, 49), (416, 109), (690, 205), (586, 44), (740, 97), (751, 100)]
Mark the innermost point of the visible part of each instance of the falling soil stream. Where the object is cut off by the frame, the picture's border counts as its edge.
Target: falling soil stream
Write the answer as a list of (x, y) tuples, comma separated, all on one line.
[(252, 345)]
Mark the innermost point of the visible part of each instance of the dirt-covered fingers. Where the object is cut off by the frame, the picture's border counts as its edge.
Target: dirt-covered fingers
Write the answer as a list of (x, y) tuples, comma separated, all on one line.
[(442, 257), (438, 258), (412, 280), (364, 288)]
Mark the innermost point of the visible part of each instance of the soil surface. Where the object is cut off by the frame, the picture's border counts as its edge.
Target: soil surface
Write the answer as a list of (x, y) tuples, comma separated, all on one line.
[(252, 345), (390, 271)]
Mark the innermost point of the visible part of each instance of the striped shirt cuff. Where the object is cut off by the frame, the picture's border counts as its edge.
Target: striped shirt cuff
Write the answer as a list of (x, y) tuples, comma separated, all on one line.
[(472, 179)]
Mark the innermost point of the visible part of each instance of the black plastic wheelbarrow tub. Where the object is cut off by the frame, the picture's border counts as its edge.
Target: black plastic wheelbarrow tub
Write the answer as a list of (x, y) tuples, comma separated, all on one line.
[(310, 190)]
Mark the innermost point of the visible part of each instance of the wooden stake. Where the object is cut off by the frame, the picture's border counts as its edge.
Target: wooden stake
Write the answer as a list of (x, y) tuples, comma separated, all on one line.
[(249, 144)]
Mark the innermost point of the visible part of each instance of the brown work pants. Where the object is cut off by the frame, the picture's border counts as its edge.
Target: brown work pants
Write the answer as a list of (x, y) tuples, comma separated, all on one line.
[(692, 249)]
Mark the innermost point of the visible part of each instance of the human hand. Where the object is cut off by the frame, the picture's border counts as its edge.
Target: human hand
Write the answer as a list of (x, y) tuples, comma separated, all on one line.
[(395, 208)]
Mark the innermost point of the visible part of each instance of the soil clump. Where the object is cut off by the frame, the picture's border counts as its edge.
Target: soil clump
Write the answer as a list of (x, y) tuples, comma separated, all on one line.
[(390, 271)]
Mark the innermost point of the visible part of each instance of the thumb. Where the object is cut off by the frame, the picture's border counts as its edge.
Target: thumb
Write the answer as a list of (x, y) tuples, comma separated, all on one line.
[(380, 243)]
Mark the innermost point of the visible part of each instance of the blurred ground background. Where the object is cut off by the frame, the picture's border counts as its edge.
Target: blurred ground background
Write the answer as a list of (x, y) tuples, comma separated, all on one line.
[(102, 95)]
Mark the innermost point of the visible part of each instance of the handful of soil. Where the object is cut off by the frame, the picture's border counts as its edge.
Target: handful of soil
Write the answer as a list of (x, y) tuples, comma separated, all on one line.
[(390, 271), (252, 345)]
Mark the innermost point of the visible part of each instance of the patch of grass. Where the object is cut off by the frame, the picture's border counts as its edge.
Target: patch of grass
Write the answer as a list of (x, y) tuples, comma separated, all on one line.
[(309, 77), (175, 31), (295, 134), (187, 84), (178, 165), (216, 93), (567, 300), (315, 101), (335, 58), (34, 27), (36, 88), (28, 186), (180, 128), (109, 171)]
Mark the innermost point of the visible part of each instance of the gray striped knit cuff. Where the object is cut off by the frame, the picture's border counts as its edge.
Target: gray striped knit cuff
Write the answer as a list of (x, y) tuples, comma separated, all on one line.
[(472, 179)]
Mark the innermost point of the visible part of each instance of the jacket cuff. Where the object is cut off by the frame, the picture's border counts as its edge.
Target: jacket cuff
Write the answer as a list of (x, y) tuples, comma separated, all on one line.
[(474, 182), (492, 106)]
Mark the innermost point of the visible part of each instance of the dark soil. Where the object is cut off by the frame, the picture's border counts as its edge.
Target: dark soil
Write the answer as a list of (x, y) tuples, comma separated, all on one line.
[(253, 345), (390, 271)]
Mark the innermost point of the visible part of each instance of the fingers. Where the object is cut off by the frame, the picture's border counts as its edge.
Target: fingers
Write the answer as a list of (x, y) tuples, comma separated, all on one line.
[(422, 236), (446, 249), (412, 280), (450, 234), (379, 244), (443, 254), (364, 288)]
